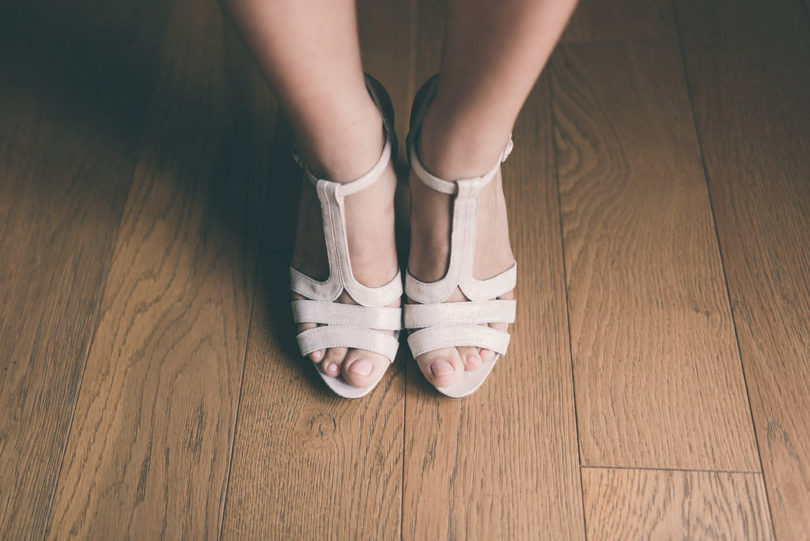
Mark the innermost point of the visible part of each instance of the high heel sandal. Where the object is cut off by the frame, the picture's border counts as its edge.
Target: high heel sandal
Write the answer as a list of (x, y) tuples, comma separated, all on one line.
[(347, 325), (432, 323)]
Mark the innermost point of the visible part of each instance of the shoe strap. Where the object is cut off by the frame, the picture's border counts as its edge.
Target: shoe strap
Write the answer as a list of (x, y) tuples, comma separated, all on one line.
[(463, 236), (332, 196), (354, 186), (423, 99), (453, 187), (332, 336), (341, 277), (383, 103), (386, 318), (448, 314), (433, 338)]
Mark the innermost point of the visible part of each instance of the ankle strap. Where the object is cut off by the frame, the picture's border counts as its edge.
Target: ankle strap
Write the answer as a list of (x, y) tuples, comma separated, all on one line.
[(354, 186), (451, 187), (383, 103), (423, 98)]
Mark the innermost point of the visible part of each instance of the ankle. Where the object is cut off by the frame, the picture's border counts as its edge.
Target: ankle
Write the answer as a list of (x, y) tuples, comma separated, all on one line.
[(342, 144), (453, 148)]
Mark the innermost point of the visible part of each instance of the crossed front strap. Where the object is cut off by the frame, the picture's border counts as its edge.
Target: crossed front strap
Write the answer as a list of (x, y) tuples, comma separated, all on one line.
[(347, 325), (450, 324)]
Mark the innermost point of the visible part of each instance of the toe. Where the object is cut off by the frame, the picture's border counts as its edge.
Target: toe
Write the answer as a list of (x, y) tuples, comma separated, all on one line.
[(441, 367), (470, 357), (332, 361), (487, 355), (361, 368)]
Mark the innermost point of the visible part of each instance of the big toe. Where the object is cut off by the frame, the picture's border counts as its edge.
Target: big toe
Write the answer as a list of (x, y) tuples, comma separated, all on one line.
[(441, 367), (362, 368)]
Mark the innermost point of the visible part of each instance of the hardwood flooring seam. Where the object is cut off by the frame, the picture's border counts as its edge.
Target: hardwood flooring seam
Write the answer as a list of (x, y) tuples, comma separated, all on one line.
[(413, 33), (707, 181), (647, 468), (92, 340), (90, 345), (553, 116), (277, 131), (238, 404), (676, 505)]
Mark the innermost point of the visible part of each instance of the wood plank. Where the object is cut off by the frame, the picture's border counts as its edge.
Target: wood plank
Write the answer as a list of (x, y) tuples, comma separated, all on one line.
[(72, 99), (748, 72), (597, 21), (152, 435), (503, 462), (308, 464), (656, 367), (654, 504)]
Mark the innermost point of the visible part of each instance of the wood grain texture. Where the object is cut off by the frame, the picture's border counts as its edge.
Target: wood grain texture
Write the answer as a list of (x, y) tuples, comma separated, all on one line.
[(597, 21), (753, 115), (152, 434), (72, 100), (152, 292), (308, 464), (656, 366), (502, 463), (649, 504)]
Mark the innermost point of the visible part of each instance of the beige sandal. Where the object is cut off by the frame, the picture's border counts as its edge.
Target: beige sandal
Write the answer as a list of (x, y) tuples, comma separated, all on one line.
[(433, 323), (346, 325)]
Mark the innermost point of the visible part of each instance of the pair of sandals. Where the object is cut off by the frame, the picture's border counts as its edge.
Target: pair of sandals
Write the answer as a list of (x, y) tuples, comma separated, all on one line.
[(431, 322)]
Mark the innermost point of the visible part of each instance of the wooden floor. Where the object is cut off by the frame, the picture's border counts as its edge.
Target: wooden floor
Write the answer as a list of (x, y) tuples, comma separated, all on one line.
[(658, 382)]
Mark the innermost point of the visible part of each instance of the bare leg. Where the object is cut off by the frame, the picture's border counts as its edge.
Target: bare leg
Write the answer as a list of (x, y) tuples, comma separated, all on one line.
[(310, 54), (493, 54)]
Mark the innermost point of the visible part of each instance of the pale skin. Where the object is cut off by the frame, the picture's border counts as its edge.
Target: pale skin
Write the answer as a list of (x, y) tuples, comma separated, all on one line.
[(310, 54)]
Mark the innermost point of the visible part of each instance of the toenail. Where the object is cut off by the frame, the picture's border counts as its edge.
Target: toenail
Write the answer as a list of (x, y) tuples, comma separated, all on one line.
[(361, 367), (472, 361), (316, 355), (331, 367), (440, 368)]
